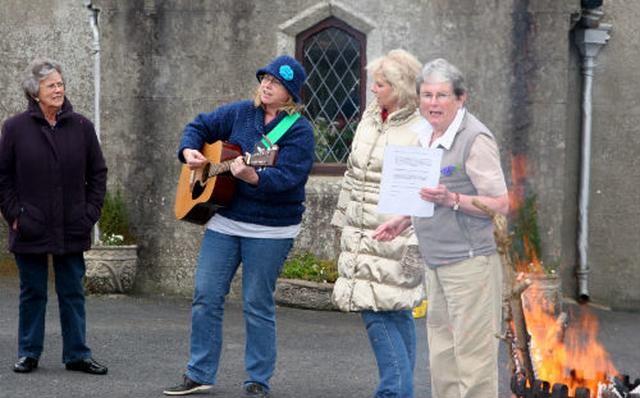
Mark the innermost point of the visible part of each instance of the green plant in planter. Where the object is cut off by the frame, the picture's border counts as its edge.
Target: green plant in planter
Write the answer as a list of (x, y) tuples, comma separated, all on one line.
[(115, 229), (306, 266)]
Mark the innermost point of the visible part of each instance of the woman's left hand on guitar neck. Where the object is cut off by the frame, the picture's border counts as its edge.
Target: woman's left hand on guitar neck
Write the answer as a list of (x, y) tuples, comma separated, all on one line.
[(243, 172)]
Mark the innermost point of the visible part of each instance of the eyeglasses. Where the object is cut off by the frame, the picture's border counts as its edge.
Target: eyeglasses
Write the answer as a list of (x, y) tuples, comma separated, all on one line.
[(53, 86), (268, 79), (439, 97)]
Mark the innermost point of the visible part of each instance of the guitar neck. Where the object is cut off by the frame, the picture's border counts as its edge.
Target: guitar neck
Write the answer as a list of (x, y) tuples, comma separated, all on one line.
[(262, 159), (219, 168)]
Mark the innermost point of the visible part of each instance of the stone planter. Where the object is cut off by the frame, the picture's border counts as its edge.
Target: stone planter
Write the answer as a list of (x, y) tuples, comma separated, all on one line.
[(545, 289), (304, 294), (110, 269)]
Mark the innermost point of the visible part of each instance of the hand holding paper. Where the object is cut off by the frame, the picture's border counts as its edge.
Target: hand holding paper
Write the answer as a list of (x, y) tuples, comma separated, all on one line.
[(405, 171)]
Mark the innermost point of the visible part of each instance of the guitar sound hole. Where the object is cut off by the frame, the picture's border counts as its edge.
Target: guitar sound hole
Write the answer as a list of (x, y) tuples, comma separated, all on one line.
[(198, 187), (197, 190)]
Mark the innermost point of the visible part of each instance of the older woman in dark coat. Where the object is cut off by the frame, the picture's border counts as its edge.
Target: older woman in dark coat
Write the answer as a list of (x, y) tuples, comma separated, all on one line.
[(52, 186)]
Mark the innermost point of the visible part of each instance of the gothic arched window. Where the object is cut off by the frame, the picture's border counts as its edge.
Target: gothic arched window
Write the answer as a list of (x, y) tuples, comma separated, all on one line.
[(333, 54)]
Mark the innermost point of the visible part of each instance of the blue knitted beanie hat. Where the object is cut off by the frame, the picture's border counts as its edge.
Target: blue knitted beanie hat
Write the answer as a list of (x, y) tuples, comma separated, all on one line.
[(290, 73)]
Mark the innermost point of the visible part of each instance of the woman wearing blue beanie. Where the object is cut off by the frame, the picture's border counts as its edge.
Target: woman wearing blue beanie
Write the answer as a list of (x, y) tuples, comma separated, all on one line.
[(256, 229)]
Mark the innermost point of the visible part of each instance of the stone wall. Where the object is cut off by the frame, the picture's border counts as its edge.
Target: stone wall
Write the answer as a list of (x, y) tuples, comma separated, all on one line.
[(614, 222), (165, 61)]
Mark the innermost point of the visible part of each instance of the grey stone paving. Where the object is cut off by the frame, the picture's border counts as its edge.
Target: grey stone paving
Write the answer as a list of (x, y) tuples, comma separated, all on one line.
[(144, 342)]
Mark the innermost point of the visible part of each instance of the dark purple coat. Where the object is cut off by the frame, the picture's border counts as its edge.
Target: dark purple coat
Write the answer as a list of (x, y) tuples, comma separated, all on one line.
[(52, 179)]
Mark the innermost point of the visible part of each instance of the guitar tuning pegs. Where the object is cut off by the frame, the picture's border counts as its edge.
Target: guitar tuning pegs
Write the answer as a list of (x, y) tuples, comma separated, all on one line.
[(259, 148)]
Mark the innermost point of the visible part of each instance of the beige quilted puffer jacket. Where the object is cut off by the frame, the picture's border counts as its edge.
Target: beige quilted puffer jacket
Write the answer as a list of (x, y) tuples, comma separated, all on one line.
[(373, 275)]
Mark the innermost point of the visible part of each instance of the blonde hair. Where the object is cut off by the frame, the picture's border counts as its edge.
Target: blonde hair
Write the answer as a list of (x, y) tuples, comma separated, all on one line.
[(400, 69), (290, 106)]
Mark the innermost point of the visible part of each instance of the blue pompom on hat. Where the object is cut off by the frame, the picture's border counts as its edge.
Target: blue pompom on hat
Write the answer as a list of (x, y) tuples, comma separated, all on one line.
[(290, 73)]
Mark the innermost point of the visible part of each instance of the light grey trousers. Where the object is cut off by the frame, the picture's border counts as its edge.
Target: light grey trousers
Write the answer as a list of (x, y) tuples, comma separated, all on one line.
[(464, 314)]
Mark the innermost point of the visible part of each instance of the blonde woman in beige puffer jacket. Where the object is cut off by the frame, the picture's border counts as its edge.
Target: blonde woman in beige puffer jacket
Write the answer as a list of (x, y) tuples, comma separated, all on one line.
[(381, 280)]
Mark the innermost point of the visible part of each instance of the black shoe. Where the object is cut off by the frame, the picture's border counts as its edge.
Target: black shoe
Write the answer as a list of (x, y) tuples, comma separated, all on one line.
[(188, 386), (87, 365), (25, 365), (255, 390)]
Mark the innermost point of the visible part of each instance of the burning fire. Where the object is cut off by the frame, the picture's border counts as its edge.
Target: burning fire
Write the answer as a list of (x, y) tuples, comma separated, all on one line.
[(519, 172), (524, 212), (570, 356), (563, 354), (534, 265)]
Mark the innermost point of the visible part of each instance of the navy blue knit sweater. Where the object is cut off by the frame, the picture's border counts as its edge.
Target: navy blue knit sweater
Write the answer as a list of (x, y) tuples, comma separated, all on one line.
[(278, 197)]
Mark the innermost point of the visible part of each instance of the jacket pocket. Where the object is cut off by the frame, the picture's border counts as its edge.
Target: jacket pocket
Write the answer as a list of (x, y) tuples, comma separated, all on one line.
[(31, 223), (78, 223)]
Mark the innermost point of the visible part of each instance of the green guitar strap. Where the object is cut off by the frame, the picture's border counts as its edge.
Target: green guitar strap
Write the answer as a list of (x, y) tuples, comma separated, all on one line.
[(278, 131)]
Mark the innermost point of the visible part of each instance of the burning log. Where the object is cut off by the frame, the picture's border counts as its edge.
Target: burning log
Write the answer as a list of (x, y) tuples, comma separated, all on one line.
[(553, 356), (550, 356), (561, 322), (619, 388), (516, 336)]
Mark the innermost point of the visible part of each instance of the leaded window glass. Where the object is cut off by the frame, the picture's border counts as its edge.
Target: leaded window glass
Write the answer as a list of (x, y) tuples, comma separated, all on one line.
[(333, 56)]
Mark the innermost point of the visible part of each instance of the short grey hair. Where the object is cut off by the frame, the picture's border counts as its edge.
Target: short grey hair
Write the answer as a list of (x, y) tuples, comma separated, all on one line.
[(441, 71), (37, 71)]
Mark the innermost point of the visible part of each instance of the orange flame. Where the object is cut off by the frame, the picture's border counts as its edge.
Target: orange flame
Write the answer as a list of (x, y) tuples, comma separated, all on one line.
[(570, 356), (567, 355), (533, 266), (519, 171)]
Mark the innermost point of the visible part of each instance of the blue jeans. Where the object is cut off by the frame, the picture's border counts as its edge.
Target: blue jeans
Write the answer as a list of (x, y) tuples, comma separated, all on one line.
[(393, 338), (34, 271), (220, 256)]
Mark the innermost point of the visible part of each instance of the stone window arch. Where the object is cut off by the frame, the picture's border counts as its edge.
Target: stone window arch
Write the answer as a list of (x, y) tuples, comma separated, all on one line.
[(336, 21)]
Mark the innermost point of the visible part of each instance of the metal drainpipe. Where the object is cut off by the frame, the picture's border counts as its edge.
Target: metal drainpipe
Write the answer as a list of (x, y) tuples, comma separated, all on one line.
[(589, 39), (93, 21)]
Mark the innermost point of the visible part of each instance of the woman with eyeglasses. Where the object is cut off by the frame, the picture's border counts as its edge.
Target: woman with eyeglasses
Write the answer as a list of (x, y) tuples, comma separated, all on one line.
[(464, 275), (381, 280), (256, 229), (52, 185)]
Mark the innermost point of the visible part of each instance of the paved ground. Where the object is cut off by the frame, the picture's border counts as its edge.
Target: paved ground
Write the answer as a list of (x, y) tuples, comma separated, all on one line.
[(144, 341)]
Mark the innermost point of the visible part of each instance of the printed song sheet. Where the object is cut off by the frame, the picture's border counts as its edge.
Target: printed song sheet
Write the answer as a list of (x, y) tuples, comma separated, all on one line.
[(406, 169)]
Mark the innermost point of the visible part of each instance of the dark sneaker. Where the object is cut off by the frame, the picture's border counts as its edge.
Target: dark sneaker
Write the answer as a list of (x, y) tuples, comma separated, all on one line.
[(187, 387), (255, 390)]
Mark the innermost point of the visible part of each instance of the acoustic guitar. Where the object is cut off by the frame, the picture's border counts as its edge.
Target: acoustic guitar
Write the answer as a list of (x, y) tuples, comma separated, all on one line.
[(204, 190)]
